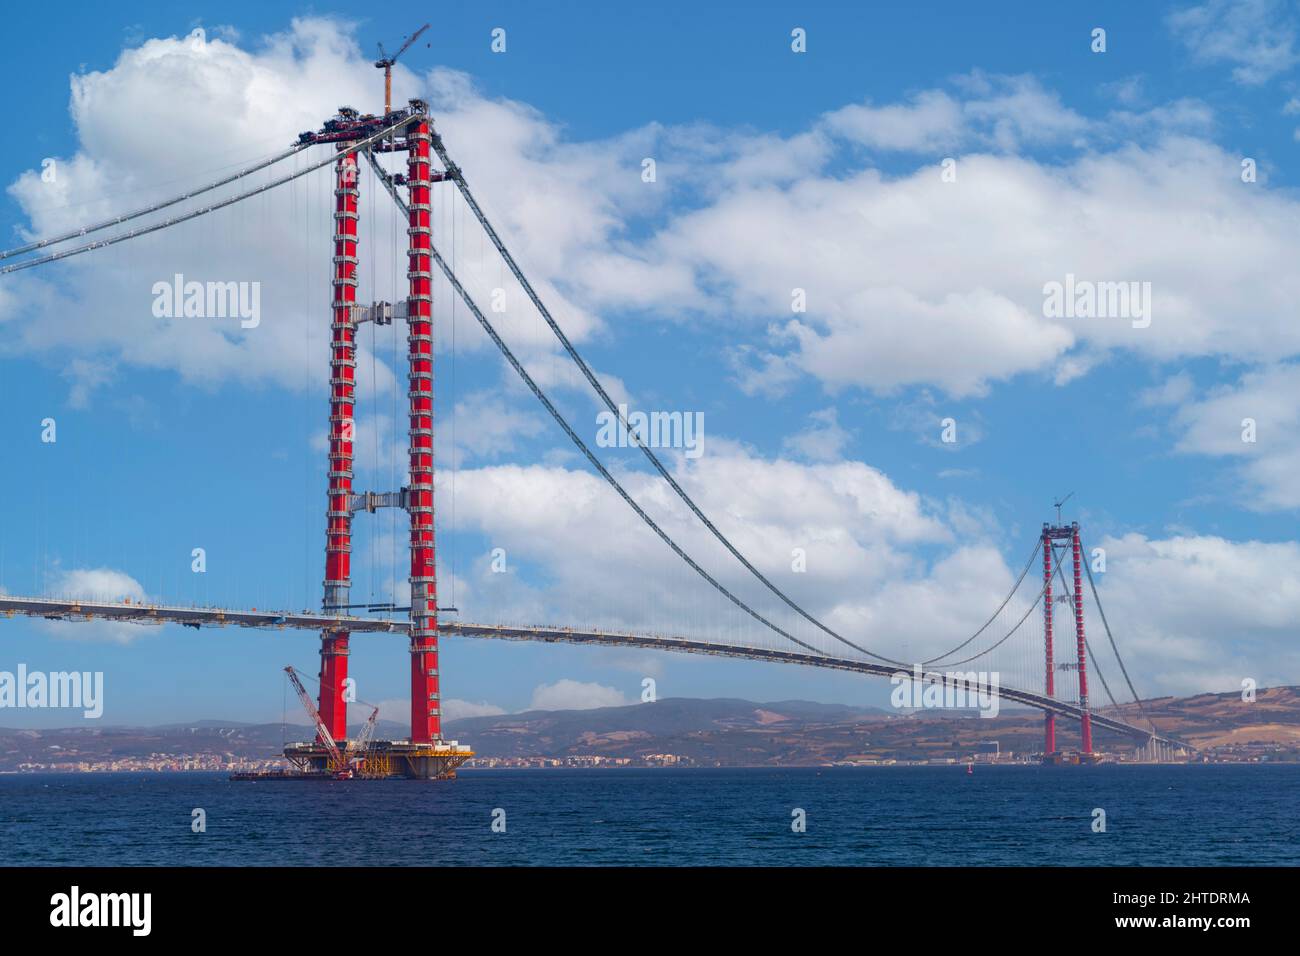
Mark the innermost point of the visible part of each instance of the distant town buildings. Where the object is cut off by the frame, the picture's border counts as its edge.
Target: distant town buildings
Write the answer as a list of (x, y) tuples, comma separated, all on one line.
[(156, 763), (586, 761)]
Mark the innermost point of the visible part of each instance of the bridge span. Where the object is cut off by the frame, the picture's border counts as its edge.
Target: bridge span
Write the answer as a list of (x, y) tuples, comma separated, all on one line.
[(196, 617)]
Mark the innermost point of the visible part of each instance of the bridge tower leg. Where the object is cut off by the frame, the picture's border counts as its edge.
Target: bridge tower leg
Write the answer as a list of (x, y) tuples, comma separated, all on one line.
[(1049, 722), (1080, 641), (425, 711), (343, 364)]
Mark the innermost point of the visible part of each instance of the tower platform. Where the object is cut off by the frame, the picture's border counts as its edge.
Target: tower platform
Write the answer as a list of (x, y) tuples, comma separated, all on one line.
[(384, 759)]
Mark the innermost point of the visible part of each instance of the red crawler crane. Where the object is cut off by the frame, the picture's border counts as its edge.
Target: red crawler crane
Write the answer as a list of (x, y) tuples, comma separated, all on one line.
[(341, 770), (359, 749)]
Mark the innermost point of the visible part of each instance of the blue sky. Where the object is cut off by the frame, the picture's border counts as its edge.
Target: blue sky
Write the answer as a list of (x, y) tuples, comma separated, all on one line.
[(776, 170)]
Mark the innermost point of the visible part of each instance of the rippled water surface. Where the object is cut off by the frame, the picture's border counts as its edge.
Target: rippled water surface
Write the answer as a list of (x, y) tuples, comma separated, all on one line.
[(1159, 815)]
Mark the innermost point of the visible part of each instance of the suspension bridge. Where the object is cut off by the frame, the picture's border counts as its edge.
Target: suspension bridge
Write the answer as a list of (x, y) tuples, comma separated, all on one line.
[(763, 621)]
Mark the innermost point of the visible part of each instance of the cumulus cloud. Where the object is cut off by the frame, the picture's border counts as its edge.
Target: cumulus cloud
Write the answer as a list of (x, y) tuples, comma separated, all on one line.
[(931, 120), (105, 584), (575, 695), (857, 531), (1004, 112), (1258, 37), (910, 280), (398, 710), (219, 107), (1191, 613), (86, 376), (1172, 391), (1263, 406), (823, 440), (1200, 613), (98, 584), (491, 426), (455, 709)]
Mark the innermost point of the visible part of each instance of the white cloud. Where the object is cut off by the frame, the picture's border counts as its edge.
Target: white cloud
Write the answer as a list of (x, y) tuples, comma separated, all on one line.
[(86, 376), (1127, 91), (910, 280), (1257, 36), (999, 113), (1173, 391), (823, 440), (1200, 613), (101, 584), (568, 694), (454, 709), (396, 709), (104, 584), (1191, 613), (171, 104), (489, 427), (914, 281), (932, 120), (582, 556), (1215, 424), (924, 417)]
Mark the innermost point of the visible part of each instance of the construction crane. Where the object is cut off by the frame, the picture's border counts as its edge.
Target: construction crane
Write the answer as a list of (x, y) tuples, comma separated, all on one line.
[(340, 767), (385, 63), (359, 749)]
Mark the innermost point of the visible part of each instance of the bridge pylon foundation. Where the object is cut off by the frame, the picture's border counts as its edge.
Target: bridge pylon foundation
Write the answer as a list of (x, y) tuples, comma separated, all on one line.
[(386, 759)]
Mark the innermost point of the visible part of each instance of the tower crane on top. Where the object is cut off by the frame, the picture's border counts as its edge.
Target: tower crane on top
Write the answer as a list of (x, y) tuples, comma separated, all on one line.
[(385, 63), (339, 765)]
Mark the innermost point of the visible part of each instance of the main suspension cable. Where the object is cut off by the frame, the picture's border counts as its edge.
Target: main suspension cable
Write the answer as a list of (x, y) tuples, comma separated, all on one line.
[(454, 172), (118, 220), (1014, 589), (194, 214), (1113, 646), (573, 436), (1002, 640)]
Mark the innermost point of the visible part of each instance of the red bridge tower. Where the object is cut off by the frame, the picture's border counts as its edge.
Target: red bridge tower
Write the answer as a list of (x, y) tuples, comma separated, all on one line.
[(1051, 534), (425, 755)]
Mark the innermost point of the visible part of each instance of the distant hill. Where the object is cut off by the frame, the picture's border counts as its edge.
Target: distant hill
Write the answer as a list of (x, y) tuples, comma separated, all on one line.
[(731, 732), (663, 720), (717, 732), (1225, 720)]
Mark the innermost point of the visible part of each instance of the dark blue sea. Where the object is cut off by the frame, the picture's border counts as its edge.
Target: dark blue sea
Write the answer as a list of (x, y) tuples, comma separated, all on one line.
[(1155, 816)]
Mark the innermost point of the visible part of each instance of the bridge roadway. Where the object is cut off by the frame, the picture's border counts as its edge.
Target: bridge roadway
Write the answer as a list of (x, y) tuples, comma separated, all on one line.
[(134, 613)]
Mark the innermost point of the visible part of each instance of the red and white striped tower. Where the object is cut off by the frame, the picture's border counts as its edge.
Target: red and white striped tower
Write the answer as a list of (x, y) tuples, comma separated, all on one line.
[(426, 723), (1049, 722), (1082, 646), (343, 364)]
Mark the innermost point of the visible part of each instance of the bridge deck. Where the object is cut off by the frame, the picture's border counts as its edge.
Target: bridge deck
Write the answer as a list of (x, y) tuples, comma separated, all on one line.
[(78, 610)]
